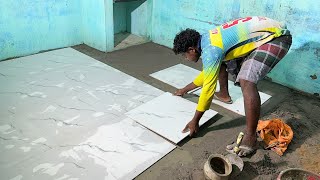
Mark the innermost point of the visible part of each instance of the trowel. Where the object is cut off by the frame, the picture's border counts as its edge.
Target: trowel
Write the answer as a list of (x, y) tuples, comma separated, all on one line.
[(235, 160)]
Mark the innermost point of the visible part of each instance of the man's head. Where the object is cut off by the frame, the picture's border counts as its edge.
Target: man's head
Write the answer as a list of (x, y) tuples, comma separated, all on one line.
[(186, 43)]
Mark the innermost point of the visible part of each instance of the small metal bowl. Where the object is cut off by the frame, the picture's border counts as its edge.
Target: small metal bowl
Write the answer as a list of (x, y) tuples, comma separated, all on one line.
[(297, 174)]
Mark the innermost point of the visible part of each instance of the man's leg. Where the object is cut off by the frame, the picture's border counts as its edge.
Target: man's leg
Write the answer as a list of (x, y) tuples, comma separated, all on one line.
[(254, 68), (223, 94), (252, 105)]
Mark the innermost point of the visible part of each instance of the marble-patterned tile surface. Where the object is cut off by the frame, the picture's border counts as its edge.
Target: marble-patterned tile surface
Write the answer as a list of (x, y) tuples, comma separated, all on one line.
[(167, 115), (58, 98), (180, 75), (117, 151), (177, 76)]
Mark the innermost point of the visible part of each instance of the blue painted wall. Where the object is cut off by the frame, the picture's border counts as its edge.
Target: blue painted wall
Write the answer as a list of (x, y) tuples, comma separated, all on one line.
[(120, 17), (302, 18), (133, 17), (108, 6), (28, 27), (97, 25), (139, 17), (93, 25)]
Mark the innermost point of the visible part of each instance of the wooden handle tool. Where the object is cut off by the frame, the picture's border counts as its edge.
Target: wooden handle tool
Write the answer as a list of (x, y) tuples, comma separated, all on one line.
[(236, 149)]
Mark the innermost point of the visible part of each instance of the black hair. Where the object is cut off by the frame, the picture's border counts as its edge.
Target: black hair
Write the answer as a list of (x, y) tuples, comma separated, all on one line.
[(185, 39)]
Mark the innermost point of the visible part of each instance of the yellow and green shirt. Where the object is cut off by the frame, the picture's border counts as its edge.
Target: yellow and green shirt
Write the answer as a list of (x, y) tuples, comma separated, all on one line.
[(229, 41)]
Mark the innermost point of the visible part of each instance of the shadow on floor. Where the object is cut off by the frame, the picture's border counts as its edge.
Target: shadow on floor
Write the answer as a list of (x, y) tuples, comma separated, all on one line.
[(118, 38)]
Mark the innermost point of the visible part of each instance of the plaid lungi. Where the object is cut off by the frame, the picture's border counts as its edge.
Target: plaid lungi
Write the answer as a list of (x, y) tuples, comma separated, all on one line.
[(260, 61)]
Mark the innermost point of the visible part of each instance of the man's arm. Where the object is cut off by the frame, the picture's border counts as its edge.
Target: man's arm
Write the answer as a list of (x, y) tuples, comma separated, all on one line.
[(211, 63), (193, 85)]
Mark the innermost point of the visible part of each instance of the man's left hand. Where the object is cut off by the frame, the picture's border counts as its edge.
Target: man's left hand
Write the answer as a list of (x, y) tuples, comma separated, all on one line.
[(192, 127)]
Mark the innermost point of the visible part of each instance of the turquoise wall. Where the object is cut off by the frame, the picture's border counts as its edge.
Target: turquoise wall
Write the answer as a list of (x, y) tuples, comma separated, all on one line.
[(97, 24), (133, 17), (120, 17), (108, 6), (302, 18), (93, 25), (139, 17), (28, 27)]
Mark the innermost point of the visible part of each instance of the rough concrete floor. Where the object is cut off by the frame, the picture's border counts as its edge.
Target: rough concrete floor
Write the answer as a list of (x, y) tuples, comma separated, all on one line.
[(300, 111)]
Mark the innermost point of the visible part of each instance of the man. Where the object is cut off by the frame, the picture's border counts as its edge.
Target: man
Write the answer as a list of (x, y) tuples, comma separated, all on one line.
[(248, 48)]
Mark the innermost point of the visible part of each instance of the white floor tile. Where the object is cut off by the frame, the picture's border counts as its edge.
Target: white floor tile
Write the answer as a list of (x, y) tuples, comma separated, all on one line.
[(118, 151), (63, 97), (177, 76), (181, 75), (167, 115)]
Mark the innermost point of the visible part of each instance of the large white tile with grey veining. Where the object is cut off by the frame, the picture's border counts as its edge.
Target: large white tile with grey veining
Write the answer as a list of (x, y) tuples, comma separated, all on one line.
[(167, 115), (118, 151), (181, 75), (177, 76), (61, 97)]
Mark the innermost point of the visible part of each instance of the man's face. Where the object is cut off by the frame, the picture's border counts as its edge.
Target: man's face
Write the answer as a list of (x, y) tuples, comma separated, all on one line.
[(192, 54)]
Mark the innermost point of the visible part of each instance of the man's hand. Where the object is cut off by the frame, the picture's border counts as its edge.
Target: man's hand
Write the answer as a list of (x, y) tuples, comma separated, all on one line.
[(187, 88), (192, 127), (180, 92)]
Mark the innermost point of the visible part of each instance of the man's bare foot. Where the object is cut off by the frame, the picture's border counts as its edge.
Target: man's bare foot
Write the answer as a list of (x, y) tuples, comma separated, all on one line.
[(249, 140), (247, 146), (223, 97)]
